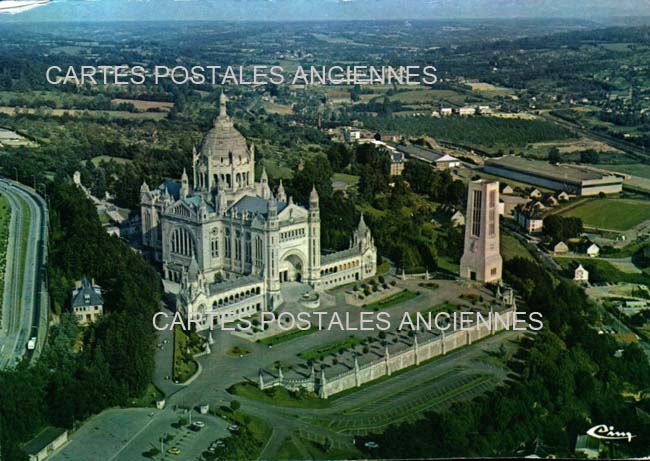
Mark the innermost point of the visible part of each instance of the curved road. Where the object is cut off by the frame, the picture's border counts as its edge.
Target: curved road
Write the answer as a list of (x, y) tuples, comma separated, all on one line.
[(25, 306)]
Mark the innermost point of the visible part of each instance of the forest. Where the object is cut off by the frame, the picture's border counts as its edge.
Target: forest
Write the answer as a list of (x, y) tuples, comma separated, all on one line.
[(563, 379), (82, 372)]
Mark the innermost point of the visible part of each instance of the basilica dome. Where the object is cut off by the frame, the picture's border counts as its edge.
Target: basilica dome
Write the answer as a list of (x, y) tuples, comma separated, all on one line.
[(223, 144)]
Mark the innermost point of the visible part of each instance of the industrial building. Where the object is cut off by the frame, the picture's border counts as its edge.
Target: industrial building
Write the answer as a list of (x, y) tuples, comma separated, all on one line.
[(569, 178), (440, 161)]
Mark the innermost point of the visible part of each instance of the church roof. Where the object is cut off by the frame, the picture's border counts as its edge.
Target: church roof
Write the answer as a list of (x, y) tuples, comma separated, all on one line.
[(219, 287), (256, 205), (339, 255), (194, 200), (223, 139), (173, 187)]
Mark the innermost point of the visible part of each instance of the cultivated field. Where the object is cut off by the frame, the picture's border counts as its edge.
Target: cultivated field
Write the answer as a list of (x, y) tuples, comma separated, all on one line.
[(617, 214), (145, 105)]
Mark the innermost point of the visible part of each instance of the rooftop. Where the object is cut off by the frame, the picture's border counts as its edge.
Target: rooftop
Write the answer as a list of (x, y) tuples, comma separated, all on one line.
[(226, 285), (337, 256), (421, 153), (42, 440), (425, 154), (88, 295), (567, 173), (256, 205)]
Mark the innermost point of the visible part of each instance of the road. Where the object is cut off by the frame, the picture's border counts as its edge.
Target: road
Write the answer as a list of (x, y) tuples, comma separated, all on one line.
[(629, 148), (25, 297)]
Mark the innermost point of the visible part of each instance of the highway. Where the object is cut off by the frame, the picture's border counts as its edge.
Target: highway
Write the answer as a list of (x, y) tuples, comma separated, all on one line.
[(25, 300)]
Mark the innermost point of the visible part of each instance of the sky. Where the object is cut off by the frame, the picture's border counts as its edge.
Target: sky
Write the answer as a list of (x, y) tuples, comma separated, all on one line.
[(301, 10)]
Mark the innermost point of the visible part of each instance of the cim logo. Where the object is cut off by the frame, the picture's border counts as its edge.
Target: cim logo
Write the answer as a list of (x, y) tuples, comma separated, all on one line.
[(605, 432)]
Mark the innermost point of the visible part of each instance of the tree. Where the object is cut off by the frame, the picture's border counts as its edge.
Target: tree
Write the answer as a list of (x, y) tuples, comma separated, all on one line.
[(554, 155), (235, 405), (559, 228), (317, 172)]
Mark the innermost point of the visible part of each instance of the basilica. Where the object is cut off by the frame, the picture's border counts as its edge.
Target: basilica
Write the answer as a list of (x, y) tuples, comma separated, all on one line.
[(228, 243)]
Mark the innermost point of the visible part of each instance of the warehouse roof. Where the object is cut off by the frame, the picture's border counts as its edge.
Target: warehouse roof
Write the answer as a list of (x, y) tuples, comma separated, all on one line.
[(564, 173)]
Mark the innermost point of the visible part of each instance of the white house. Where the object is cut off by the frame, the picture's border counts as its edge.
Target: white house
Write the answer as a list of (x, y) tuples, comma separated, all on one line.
[(457, 219), (560, 248), (593, 250), (581, 274)]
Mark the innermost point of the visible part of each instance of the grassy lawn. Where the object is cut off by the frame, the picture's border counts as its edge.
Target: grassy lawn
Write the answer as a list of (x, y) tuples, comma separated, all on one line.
[(184, 364), (149, 398), (286, 336), (277, 396), (601, 271), (444, 307), (349, 179), (393, 300), (332, 348), (383, 268), (249, 442), (512, 248), (289, 451), (27, 218), (5, 219), (617, 214), (107, 158), (635, 169)]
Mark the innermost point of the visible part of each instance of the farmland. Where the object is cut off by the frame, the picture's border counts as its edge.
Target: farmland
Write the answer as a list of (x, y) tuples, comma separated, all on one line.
[(616, 214)]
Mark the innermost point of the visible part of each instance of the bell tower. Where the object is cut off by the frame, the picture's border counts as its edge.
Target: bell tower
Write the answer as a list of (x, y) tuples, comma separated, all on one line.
[(481, 259)]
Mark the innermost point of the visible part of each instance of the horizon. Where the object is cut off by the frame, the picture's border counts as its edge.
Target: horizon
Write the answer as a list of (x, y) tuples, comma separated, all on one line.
[(270, 11)]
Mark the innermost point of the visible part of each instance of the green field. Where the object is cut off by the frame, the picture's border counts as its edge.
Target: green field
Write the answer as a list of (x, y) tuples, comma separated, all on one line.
[(319, 353), (286, 336), (349, 179), (616, 214), (184, 364), (601, 271), (512, 248), (635, 169), (392, 300), (278, 396)]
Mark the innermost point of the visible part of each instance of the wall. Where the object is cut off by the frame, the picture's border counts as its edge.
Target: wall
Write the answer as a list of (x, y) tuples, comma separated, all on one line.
[(390, 363)]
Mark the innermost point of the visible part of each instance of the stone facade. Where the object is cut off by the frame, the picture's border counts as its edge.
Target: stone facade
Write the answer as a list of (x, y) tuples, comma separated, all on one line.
[(481, 260), (417, 353), (228, 243)]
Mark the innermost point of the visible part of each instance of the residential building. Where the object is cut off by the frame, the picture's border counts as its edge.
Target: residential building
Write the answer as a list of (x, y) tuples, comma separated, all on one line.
[(397, 162), (87, 301), (560, 248), (581, 274), (529, 218), (593, 250)]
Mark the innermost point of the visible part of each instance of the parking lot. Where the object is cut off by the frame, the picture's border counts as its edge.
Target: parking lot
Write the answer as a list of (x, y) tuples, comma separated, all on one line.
[(126, 435)]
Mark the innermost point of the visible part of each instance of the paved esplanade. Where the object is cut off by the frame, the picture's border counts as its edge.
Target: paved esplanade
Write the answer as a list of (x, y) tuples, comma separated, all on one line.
[(24, 289)]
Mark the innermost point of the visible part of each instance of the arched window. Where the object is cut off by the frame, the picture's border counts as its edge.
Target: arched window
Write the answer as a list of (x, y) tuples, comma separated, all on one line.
[(182, 242), (214, 243)]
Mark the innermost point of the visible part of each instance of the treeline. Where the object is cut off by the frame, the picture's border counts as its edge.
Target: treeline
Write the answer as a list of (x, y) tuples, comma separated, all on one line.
[(114, 360), (488, 131), (399, 216), (559, 228), (567, 378)]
